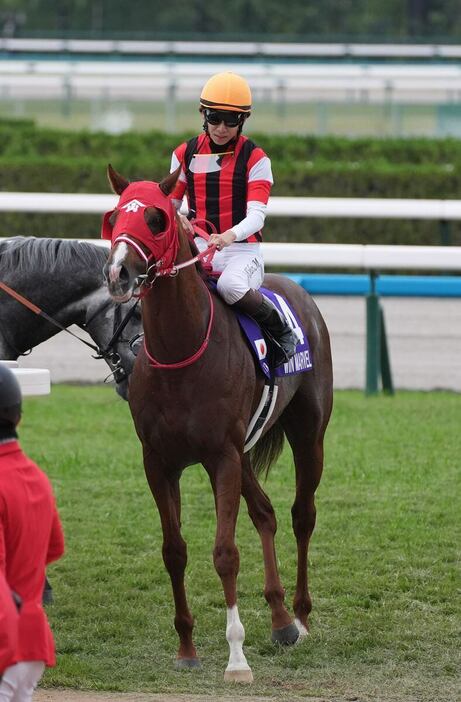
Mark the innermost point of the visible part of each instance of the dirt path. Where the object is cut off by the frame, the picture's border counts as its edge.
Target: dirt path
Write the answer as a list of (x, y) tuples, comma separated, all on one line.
[(79, 696)]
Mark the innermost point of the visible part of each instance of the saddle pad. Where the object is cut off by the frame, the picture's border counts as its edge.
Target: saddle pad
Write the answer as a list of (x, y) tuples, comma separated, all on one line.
[(300, 362)]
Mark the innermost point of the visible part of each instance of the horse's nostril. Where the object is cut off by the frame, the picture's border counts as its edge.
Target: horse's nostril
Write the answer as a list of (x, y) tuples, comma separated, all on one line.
[(124, 275)]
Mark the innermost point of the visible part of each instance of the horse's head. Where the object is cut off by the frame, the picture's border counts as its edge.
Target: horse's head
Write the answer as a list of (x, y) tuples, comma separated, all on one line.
[(142, 230)]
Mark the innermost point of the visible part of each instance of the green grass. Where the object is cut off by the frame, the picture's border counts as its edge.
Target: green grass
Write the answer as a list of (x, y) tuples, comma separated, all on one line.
[(383, 558)]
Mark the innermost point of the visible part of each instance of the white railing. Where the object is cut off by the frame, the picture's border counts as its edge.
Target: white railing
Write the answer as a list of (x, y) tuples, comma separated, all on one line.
[(231, 48), (156, 79), (363, 257), (360, 208)]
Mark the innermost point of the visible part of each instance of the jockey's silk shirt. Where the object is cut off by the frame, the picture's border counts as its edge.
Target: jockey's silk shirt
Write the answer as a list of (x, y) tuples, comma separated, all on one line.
[(229, 189)]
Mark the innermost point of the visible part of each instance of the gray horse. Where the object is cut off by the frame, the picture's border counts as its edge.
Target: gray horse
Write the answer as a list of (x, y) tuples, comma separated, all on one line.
[(64, 279)]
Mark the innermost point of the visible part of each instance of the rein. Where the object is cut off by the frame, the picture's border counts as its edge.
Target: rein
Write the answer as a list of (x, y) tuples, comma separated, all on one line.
[(36, 310), (107, 353), (119, 326)]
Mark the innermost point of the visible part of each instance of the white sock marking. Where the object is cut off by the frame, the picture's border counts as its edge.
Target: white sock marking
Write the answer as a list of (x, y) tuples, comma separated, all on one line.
[(235, 635)]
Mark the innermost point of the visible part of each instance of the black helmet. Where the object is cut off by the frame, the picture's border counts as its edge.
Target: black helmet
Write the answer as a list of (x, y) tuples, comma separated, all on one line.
[(10, 396)]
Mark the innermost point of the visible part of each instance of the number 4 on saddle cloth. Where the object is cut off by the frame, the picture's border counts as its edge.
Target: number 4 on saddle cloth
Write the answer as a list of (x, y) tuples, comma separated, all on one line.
[(261, 344), (262, 348)]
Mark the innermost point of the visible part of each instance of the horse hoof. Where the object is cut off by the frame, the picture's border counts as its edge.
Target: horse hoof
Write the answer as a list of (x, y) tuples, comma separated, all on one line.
[(287, 636), (239, 676), (187, 664)]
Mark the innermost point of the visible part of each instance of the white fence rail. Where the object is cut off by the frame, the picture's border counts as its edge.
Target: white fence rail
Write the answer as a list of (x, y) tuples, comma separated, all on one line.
[(360, 208), (279, 81), (230, 48), (363, 257)]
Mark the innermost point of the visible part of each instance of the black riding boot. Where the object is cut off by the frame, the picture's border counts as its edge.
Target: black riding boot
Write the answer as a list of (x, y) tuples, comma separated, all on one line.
[(272, 322)]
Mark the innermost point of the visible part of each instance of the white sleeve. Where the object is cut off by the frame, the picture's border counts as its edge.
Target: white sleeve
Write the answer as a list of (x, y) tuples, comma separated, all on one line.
[(262, 170), (182, 176), (253, 222)]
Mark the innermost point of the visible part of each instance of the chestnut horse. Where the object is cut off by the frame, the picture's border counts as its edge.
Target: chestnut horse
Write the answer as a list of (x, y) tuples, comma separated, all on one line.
[(192, 393)]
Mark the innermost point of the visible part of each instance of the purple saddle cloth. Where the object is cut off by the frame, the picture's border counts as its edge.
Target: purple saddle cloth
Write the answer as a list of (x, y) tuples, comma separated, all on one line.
[(300, 362)]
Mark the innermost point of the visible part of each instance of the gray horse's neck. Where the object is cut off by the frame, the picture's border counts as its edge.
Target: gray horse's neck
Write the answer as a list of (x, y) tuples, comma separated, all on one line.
[(61, 277)]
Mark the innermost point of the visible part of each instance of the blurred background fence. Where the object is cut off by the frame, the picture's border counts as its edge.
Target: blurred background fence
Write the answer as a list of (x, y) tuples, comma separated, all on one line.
[(344, 89)]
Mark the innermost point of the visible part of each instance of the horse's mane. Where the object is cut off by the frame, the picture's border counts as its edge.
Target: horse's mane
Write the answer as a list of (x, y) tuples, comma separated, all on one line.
[(24, 253)]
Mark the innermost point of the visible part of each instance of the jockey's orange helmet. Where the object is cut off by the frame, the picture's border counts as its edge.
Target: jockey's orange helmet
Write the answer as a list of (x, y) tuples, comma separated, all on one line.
[(227, 92)]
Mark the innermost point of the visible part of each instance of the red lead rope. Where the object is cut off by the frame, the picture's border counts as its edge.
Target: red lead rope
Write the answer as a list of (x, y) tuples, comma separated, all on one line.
[(196, 355), (205, 256)]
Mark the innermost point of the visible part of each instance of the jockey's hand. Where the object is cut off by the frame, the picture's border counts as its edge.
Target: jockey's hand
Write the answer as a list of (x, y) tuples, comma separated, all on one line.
[(222, 240), (186, 225)]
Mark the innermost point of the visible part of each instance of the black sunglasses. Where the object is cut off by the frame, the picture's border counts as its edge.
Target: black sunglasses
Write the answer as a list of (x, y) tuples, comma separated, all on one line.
[(230, 119)]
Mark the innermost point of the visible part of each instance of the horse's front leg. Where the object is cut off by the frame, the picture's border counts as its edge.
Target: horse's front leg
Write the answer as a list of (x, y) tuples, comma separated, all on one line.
[(225, 475), (167, 497)]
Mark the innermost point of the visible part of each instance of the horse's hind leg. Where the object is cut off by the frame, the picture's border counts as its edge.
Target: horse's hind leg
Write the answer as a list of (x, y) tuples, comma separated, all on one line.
[(263, 517), (167, 496), (304, 427)]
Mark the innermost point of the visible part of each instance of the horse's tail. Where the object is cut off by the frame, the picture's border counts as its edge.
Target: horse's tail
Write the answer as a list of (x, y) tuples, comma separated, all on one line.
[(266, 451)]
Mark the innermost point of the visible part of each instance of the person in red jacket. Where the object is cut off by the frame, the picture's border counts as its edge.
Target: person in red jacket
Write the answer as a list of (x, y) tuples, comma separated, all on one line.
[(227, 180), (31, 536)]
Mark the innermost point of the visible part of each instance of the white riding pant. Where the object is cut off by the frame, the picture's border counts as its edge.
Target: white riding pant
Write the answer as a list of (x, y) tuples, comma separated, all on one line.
[(241, 267), (19, 681)]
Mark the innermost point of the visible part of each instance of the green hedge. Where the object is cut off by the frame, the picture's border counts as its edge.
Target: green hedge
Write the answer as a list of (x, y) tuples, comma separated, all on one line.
[(43, 160)]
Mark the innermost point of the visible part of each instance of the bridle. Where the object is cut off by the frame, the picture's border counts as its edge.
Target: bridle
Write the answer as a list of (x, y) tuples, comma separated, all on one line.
[(156, 269), (108, 353)]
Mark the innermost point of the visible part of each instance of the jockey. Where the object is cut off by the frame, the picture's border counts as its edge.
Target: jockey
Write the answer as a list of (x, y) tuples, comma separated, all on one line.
[(227, 180)]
